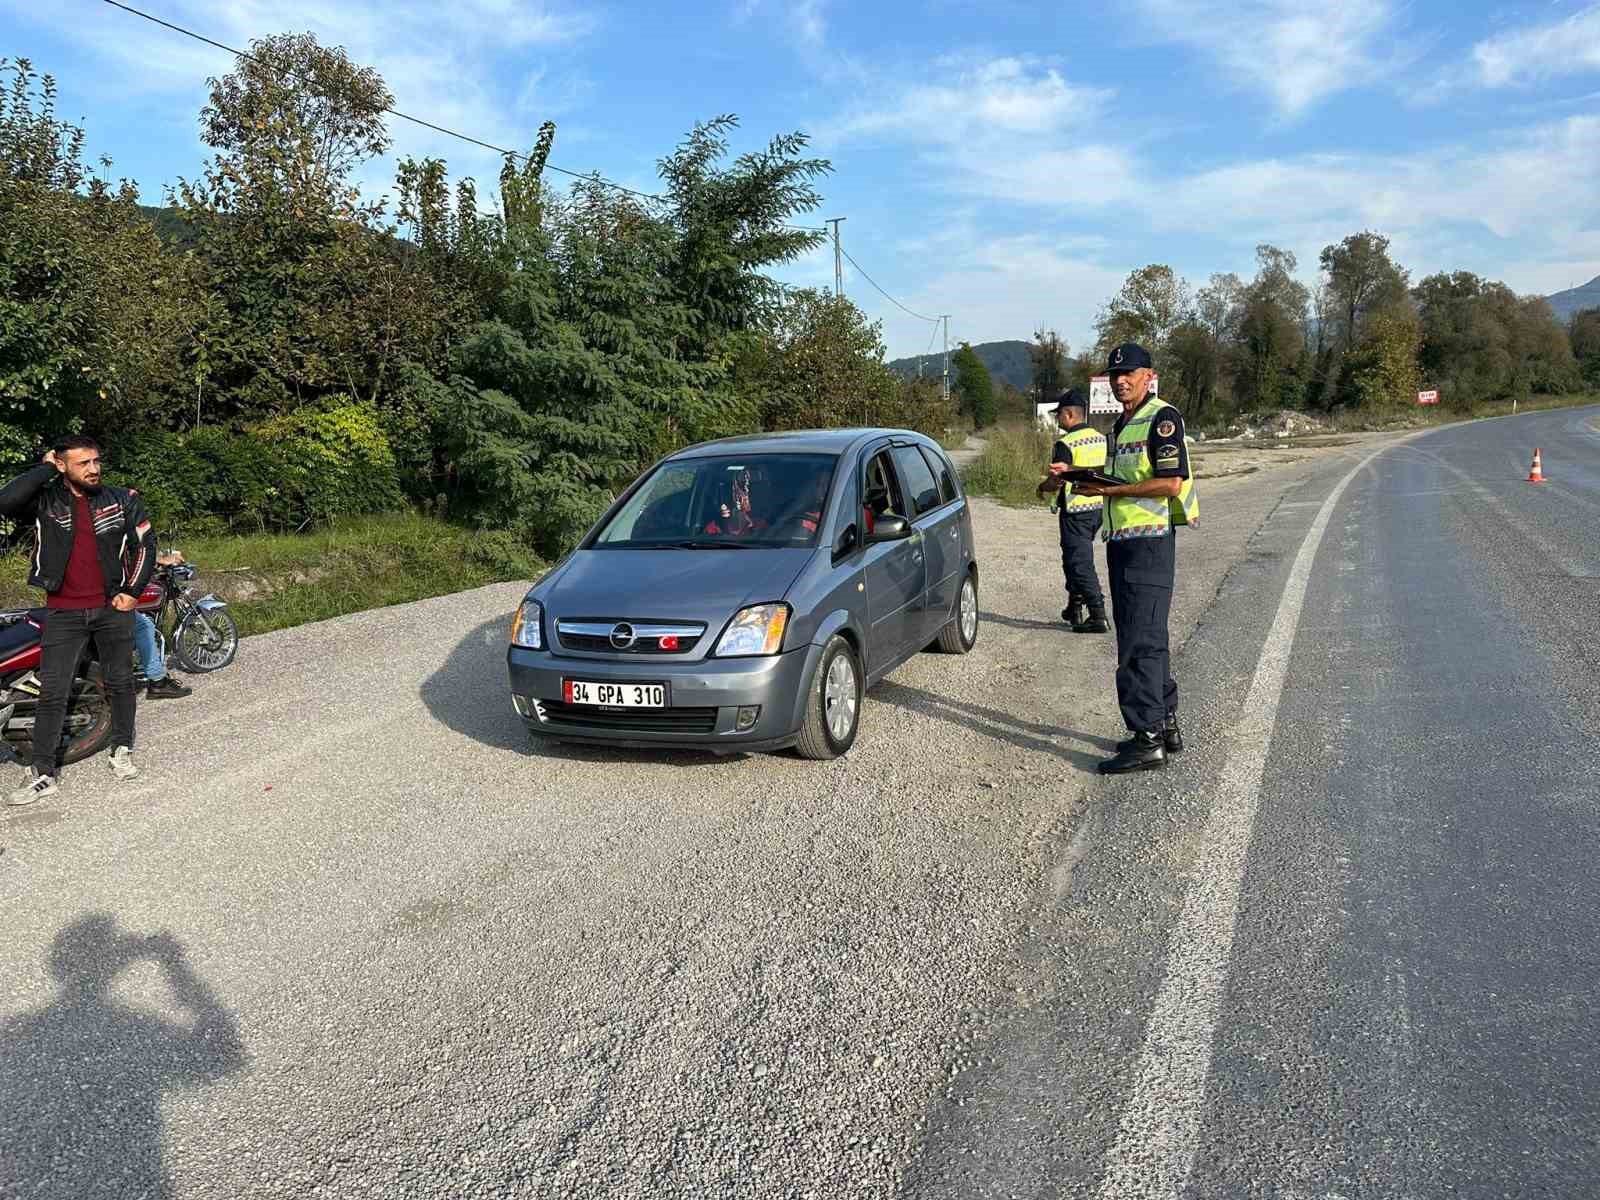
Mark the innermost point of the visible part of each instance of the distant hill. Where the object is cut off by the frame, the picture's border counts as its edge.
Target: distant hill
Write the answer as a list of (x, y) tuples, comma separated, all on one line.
[(1575, 299), (1007, 362)]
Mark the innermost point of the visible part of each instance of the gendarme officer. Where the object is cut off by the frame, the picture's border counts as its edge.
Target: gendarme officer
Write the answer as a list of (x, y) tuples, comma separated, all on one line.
[(1151, 457), (1079, 445)]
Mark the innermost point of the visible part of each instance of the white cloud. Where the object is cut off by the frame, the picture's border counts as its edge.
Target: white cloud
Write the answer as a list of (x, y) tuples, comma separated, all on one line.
[(805, 19), (1538, 52), (1294, 52), (977, 99)]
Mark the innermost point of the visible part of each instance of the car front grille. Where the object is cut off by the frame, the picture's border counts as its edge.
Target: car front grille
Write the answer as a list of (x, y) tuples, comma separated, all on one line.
[(596, 637), (582, 718)]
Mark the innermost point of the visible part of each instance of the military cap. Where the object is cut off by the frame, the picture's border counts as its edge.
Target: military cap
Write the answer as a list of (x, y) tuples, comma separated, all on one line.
[(1071, 398), (1129, 356)]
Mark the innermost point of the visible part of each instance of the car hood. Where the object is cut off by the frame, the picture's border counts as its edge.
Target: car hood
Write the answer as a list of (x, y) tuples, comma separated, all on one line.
[(680, 585)]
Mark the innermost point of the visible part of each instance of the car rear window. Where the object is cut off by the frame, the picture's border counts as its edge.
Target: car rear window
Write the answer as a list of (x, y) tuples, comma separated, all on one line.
[(941, 467)]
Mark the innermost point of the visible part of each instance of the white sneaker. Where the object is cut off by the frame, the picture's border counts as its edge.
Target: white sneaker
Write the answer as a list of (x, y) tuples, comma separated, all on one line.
[(37, 788), (122, 763)]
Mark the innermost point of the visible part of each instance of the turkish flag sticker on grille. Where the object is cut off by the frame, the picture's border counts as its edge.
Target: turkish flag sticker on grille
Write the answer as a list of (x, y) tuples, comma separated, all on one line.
[(669, 641)]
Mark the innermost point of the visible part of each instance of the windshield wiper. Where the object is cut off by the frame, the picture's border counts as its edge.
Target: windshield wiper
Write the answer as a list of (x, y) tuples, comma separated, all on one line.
[(707, 544)]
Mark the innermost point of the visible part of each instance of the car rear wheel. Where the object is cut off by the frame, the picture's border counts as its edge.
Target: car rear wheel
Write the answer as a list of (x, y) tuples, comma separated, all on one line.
[(833, 703), (961, 634)]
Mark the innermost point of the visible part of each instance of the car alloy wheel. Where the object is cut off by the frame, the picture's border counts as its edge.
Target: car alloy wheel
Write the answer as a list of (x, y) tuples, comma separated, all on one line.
[(969, 611), (839, 701)]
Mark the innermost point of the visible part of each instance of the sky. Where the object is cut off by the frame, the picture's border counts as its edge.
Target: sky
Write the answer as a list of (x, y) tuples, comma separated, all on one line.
[(1006, 163)]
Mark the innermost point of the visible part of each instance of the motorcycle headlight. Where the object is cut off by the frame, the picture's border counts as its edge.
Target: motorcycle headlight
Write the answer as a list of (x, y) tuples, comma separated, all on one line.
[(527, 627), (754, 630)]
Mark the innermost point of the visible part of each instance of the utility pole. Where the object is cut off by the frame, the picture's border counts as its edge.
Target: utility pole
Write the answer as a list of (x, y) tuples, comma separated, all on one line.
[(838, 258), (945, 317)]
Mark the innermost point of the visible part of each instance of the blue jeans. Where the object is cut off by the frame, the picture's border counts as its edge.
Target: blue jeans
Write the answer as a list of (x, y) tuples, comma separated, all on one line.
[(144, 641)]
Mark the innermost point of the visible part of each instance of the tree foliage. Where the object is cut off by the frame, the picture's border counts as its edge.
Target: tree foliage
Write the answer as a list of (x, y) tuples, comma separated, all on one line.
[(1048, 353), (974, 387)]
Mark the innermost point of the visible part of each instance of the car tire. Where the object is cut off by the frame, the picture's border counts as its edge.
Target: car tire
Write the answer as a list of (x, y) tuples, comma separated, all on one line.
[(961, 634), (833, 703)]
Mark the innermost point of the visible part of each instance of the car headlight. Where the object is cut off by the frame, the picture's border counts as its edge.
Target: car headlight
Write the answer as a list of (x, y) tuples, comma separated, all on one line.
[(527, 627), (754, 630)]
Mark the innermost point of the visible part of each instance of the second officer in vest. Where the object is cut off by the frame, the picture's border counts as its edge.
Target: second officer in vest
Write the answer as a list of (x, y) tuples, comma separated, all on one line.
[(1152, 458), (1078, 445)]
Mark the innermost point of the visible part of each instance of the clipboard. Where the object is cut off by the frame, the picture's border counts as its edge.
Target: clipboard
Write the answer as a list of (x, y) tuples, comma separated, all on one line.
[(1088, 475)]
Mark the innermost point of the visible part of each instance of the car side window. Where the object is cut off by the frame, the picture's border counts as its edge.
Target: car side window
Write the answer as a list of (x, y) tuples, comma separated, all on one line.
[(941, 467), (921, 489), (881, 496)]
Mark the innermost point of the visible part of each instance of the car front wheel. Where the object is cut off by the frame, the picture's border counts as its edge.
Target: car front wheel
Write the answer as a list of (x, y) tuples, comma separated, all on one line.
[(833, 703)]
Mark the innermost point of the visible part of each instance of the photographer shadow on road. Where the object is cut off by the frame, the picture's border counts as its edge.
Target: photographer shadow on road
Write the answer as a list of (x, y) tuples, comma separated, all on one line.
[(81, 1079), (471, 694)]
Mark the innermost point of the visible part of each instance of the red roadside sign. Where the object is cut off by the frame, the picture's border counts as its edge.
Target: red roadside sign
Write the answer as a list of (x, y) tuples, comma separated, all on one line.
[(1431, 397)]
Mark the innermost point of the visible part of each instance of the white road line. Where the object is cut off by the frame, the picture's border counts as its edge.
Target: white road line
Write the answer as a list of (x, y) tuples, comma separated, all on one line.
[(1156, 1141)]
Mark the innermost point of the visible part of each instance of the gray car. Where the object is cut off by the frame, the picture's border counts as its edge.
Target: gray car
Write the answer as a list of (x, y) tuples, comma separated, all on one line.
[(743, 593)]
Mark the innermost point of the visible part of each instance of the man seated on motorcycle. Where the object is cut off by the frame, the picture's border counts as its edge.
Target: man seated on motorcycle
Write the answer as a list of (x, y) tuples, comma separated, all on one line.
[(162, 686)]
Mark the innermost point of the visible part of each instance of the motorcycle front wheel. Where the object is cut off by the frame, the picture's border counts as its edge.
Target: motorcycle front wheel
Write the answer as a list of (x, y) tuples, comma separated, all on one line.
[(198, 650)]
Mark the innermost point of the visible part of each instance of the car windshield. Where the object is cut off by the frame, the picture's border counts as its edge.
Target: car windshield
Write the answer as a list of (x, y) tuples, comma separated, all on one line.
[(731, 502)]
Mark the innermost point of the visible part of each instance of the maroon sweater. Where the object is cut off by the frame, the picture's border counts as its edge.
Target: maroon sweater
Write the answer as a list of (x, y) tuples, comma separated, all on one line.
[(84, 585)]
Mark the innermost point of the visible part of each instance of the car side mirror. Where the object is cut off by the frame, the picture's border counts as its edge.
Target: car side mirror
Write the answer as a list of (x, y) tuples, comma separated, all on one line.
[(890, 529)]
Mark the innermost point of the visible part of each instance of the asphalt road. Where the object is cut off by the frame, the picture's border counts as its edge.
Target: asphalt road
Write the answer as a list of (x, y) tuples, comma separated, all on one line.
[(350, 936)]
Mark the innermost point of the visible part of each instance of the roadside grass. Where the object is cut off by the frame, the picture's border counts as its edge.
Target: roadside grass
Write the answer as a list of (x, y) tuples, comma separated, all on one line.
[(275, 581), (1011, 465)]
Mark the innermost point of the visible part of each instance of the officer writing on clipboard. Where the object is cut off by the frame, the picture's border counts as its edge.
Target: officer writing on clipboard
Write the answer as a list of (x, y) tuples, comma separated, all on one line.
[(1079, 444), (1153, 494)]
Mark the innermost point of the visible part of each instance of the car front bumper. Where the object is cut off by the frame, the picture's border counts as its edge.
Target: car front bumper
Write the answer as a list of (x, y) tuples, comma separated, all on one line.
[(704, 699)]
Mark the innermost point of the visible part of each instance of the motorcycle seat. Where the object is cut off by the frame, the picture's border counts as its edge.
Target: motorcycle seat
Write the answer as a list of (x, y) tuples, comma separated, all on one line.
[(19, 629)]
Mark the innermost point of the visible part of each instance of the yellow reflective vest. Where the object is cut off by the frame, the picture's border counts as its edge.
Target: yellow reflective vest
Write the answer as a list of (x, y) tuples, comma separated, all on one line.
[(1088, 447), (1136, 517)]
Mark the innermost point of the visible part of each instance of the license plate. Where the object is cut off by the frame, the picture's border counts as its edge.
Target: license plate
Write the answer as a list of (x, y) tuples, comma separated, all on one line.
[(614, 695)]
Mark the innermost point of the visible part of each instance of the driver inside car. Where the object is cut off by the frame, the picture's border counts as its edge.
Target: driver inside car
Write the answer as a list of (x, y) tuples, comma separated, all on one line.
[(734, 512)]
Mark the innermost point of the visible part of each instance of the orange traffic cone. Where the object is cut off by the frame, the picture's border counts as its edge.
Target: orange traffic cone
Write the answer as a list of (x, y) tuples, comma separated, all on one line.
[(1536, 475)]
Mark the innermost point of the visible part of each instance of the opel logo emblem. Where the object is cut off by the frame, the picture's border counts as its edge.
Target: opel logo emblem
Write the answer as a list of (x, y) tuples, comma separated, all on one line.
[(622, 635)]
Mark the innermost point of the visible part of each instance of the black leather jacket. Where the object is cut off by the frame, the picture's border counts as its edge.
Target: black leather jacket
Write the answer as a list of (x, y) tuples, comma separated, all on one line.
[(122, 531)]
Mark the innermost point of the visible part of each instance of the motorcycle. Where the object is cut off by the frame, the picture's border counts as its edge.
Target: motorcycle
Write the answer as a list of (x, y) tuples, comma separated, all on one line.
[(201, 632), (88, 722)]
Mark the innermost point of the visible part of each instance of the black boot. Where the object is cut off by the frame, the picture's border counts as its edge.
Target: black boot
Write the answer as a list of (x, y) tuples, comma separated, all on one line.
[(1069, 614), (1094, 618), (1171, 738), (1144, 753)]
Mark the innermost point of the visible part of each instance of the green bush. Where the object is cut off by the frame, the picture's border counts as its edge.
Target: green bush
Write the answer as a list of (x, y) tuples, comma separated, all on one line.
[(333, 461), (315, 464)]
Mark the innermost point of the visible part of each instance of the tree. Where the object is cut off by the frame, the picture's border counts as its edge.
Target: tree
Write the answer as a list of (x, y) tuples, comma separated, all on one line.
[(1585, 337), (85, 315), (1361, 278), (1048, 354), (306, 106), (1271, 329), (1382, 370), (821, 365), (315, 291), (974, 387), (1149, 306)]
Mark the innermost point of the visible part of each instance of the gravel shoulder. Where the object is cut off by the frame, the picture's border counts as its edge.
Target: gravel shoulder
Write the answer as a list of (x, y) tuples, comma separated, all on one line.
[(430, 958)]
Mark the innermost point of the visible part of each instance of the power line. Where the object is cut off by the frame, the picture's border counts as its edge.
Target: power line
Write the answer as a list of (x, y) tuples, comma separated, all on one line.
[(469, 139), (393, 112), (883, 293)]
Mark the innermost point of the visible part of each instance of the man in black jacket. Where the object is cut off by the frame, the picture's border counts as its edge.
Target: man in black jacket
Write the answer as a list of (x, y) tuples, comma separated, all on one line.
[(93, 554)]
